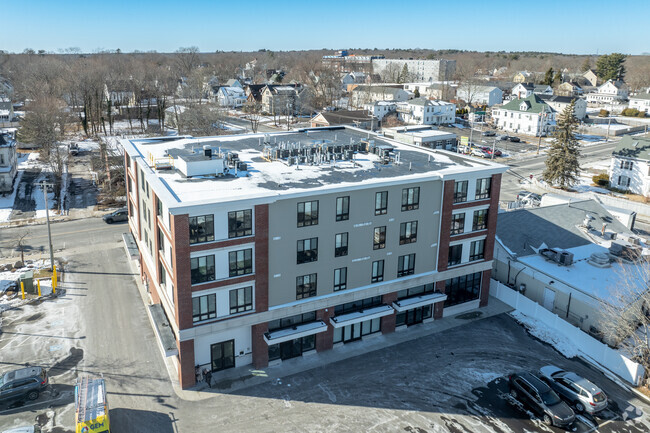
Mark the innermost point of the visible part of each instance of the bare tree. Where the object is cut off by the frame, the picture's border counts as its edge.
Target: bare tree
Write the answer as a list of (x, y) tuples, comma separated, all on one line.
[(253, 110), (20, 244)]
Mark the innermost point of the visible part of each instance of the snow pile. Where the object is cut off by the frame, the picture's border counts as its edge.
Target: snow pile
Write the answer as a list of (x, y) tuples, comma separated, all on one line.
[(8, 279), (547, 334)]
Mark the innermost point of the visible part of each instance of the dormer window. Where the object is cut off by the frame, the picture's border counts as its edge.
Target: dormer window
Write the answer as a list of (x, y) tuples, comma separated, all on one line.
[(523, 106)]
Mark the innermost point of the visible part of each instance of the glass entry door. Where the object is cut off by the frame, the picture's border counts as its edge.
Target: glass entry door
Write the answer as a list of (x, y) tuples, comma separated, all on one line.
[(223, 355)]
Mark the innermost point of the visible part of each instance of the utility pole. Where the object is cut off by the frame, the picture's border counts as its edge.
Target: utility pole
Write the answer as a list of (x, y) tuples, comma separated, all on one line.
[(609, 123), (494, 145), (44, 185)]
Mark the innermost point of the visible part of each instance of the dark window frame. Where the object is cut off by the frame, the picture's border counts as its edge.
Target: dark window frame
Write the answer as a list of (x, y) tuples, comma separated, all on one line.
[(237, 306), (455, 259), (343, 279), (458, 223), (341, 250), (377, 272), (381, 203), (479, 223), (379, 238), (477, 250), (240, 223), (306, 289), (201, 316), (408, 232), (306, 217), (463, 289), (402, 261), (483, 188), (343, 208), (202, 231), (210, 270), (410, 198), (306, 250), (238, 267), (460, 191)]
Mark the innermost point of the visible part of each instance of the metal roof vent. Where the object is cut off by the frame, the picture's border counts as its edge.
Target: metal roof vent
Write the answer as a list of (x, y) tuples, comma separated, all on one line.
[(599, 260)]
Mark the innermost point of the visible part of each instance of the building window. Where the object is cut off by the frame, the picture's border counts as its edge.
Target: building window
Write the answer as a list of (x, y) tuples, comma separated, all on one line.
[(159, 207), (308, 213), (240, 223), (340, 279), (457, 223), (379, 238), (202, 269), (240, 262), (201, 229), (460, 191), (342, 208), (241, 300), (406, 265), (307, 250), (626, 165), (162, 274), (480, 220), (381, 203), (477, 250), (341, 244), (483, 188), (305, 286), (161, 240), (408, 232), (410, 198), (463, 289), (377, 271), (204, 307), (455, 254), (623, 181)]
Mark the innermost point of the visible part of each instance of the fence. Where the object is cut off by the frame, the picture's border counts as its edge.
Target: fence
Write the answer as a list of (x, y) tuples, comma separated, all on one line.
[(586, 345)]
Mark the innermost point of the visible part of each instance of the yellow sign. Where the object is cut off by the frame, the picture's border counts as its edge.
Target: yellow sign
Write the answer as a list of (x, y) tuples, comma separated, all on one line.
[(464, 140)]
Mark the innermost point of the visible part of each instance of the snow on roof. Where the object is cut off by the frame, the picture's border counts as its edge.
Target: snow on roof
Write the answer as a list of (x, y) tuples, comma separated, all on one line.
[(602, 283), (264, 179)]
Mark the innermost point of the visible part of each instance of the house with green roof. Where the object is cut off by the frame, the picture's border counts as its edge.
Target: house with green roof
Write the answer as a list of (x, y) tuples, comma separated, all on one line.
[(529, 115), (630, 166)]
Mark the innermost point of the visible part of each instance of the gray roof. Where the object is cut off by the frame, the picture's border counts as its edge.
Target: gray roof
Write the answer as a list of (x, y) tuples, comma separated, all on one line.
[(641, 96), (558, 98), (419, 101), (379, 89), (556, 226), (636, 147)]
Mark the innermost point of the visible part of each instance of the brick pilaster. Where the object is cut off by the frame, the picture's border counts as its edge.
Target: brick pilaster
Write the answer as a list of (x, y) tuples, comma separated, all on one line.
[(445, 224), (485, 288), (261, 258), (180, 230), (388, 322), (186, 372), (492, 215), (260, 348), (325, 340), (439, 306)]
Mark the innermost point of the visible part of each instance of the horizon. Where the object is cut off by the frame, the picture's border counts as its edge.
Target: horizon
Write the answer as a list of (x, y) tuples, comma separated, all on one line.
[(146, 26)]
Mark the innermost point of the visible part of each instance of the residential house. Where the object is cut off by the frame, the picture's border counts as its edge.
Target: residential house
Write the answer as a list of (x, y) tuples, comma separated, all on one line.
[(569, 88), (524, 90), (6, 110), (232, 97), (567, 257), (380, 109), (477, 94), (8, 163), (233, 82), (422, 111), (120, 94), (6, 88), (641, 102), (529, 115), (277, 263), (612, 92), (281, 99), (523, 77), (254, 92), (559, 103), (360, 118), (442, 91), (365, 94), (352, 78), (591, 77), (630, 166)]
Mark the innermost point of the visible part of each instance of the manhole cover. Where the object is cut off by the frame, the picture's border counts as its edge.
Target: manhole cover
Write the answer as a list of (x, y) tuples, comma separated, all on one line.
[(469, 316)]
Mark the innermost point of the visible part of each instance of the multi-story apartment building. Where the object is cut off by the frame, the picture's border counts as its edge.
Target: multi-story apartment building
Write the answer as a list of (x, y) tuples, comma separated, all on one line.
[(261, 248), (418, 69), (423, 111), (345, 62)]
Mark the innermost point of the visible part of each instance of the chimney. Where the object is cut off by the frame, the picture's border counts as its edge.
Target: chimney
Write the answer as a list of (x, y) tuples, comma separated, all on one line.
[(207, 151)]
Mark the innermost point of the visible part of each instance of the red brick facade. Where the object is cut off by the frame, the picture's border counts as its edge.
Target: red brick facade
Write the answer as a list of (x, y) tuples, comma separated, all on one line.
[(324, 340), (445, 224), (260, 348), (388, 322), (438, 306), (186, 371)]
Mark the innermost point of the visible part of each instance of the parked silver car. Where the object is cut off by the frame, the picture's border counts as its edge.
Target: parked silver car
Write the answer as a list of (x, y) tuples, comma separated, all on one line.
[(118, 215), (584, 395)]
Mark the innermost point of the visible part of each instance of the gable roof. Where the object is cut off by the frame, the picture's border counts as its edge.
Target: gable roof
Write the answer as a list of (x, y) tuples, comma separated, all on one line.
[(534, 102), (379, 89), (342, 117), (541, 87), (556, 226), (633, 147), (527, 86), (559, 99), (641, 96)]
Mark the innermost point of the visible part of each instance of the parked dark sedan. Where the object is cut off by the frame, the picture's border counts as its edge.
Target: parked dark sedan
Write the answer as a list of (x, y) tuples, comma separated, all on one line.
[(537, 396), (489, 133), (514, 139), (25, 383), (118, 215)]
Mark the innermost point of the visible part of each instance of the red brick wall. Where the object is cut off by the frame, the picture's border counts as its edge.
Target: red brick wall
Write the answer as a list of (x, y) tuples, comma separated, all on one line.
[(388, 322), (492, 216), (325, 340), (485, 288), (445, 224), (260, 348), (186, 372), (439, 306), (261, 258), (180, 230)]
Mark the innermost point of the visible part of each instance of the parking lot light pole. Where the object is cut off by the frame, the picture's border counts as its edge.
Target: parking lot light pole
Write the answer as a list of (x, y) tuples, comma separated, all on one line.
[(47, 214)]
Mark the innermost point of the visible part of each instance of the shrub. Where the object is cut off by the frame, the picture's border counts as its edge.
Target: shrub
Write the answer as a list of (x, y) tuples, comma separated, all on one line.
[(641, 114), (603, 113), (630, 112), (601, 179)]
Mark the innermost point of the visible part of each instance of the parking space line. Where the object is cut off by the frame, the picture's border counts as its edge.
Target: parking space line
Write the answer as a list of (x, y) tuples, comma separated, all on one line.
[(34, 404)]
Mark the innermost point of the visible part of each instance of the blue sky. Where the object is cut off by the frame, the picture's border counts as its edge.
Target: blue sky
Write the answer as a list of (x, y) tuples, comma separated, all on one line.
[(569, 26)]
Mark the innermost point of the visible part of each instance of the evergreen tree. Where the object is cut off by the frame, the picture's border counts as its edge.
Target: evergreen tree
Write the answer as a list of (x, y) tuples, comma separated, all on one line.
[(548, 77), (557, 79), (404, 75), (562, 164), (610, 67), (586, 65), (416, 93)]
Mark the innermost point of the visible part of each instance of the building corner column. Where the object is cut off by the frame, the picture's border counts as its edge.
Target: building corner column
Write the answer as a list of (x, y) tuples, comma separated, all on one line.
[(325, 340), (388, 322), (438, 307), (186, 372), (260, 347)]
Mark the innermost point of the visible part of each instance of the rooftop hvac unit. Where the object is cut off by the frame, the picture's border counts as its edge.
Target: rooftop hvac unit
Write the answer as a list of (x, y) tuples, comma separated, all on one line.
[(599, 260), (549, 254), (564, 258)]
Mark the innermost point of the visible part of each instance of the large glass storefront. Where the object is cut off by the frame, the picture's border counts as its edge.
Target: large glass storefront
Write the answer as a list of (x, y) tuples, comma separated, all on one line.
[(296, 347), (463, 289), (356, 331), (415, 315)]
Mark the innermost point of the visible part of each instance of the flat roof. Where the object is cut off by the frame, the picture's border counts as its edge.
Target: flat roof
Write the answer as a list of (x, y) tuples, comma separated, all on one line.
[(266, 179)]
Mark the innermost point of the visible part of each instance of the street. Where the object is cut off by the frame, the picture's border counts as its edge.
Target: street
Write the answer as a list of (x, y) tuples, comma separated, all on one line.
[(451, 381)]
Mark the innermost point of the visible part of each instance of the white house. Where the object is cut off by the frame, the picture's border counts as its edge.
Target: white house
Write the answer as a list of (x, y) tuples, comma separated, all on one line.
[(7, 163), (641, 102), (380, 109), (442, 90), (473, 93), (630, 166), (530, 116), (524, 90), (366, 94), (233, 97), (559, 103), (6, 109), (233, 82), (608, 93), (422, 111)]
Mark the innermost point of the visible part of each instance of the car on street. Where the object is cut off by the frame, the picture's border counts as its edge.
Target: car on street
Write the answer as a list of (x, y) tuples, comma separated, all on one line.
[(578, 391), (513, 139), (22, 384), (477, 151), (116, 216), (537, 396), (488, 149), (74, 149), (26, 429), (528, 197), (502, 137), (489, 133)]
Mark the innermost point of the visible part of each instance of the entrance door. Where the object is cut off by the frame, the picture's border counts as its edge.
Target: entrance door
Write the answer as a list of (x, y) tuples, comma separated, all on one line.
[(223, 355), (352, 333), (290, 349), (549, 299)]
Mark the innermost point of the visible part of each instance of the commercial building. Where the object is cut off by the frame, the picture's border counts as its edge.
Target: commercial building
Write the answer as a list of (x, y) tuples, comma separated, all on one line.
[(418, 69), (259, 248), (422, 135)]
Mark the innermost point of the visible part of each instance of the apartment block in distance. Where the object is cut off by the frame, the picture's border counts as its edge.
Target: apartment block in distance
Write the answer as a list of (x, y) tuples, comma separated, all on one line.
[(260, 248)]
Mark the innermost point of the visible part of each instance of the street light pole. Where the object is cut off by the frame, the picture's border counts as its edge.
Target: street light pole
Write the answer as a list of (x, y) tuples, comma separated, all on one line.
[(49, 232)]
